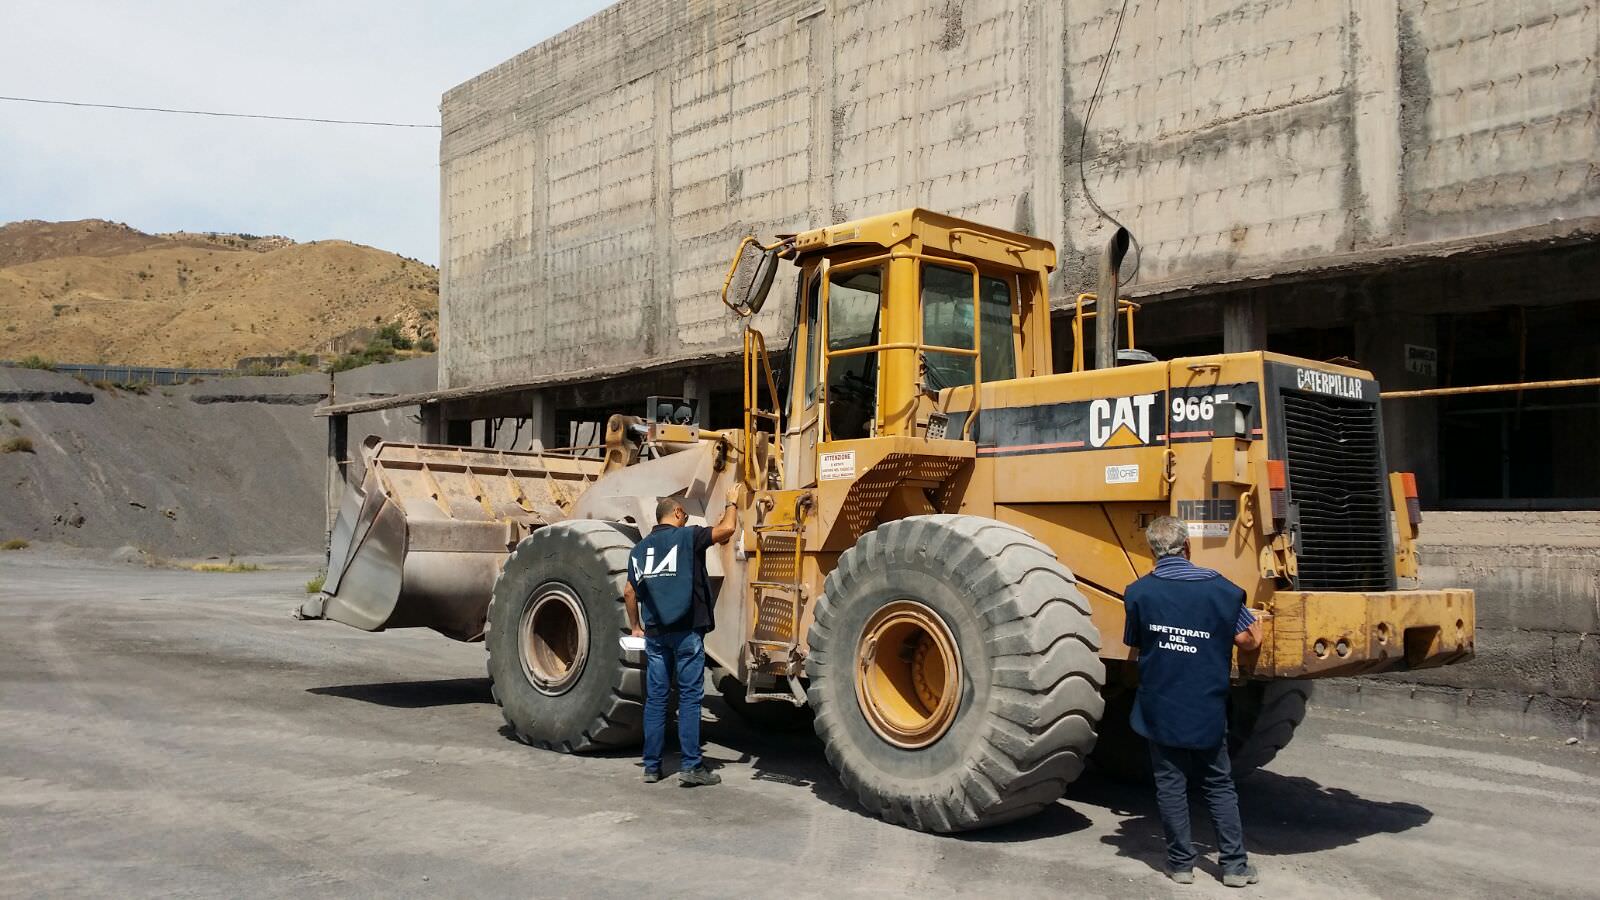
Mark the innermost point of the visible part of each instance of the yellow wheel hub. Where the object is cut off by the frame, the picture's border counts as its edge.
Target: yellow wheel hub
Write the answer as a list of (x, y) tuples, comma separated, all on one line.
[(908, 674)]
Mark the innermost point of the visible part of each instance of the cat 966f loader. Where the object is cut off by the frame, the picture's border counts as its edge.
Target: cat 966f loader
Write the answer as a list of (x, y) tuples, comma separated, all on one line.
[(935, 530)]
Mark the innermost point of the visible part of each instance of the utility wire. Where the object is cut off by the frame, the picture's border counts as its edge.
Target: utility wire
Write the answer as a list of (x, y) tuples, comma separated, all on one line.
[(1083, 139), (223, 115)]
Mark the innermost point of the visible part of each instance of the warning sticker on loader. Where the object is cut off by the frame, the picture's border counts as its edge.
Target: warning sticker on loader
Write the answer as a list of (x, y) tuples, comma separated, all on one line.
[(837, 466)]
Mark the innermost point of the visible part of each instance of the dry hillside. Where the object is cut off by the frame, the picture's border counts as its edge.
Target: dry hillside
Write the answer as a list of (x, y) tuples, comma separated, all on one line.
[(94, 291)]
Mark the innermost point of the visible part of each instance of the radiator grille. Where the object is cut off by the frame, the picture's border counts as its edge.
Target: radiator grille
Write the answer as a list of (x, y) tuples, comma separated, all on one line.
[(1336, 483)]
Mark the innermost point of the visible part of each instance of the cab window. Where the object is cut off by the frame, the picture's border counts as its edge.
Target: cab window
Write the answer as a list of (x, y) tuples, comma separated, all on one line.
[(854, 298), (947, 322), (810, 358)]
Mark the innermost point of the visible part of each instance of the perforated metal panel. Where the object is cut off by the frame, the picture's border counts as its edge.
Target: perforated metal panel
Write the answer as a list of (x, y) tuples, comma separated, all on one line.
[(777, 558), (775, 618)]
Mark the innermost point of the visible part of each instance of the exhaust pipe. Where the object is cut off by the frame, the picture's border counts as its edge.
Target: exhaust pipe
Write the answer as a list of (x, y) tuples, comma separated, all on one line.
[(1107, 299)]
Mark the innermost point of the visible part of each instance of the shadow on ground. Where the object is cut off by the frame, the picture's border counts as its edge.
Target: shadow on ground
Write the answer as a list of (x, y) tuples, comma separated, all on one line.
[(1283, 815), (413, 694), (795, 757)]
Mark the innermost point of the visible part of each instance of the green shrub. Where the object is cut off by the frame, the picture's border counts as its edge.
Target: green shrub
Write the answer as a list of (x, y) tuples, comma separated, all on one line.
[(17, 445), (394, 335), (315, 585), (35, 361), (14, 544), (426, 345)]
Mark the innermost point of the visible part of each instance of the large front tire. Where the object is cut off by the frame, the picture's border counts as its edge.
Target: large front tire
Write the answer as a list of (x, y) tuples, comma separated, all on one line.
[(562, 680), (955, 673)]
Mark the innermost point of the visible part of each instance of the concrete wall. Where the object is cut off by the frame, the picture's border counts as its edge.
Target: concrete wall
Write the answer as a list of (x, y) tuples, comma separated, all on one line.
[(593, 186), (1537, 577)]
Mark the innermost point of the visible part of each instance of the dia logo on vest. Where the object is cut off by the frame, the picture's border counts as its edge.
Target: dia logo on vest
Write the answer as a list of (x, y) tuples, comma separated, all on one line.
[(652, 569)]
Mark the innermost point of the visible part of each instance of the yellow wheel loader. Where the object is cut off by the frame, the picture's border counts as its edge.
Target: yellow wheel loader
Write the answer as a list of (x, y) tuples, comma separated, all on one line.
[(935, 530)]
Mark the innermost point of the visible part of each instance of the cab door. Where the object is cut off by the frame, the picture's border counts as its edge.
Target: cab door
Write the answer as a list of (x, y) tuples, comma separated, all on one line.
[(849, 399)]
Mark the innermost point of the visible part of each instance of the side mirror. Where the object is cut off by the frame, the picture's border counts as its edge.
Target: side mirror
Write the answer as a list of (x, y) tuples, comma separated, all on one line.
[(750, 277)]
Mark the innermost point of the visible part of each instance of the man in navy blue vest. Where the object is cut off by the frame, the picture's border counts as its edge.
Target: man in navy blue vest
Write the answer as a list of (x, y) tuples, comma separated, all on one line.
[(1184, 621), (670, 605)]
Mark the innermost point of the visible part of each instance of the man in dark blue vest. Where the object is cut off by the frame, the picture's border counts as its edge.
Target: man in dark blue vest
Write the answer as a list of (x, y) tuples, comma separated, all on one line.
[(670, 605), (1184, 621)]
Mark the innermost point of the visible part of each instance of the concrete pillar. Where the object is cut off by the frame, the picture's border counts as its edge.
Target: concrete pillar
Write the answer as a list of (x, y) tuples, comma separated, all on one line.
[(819, 73), (432, 423), (1244, 323), (1410, 427), (542, 420), (1374, 67), (338, 464), (696, 387)]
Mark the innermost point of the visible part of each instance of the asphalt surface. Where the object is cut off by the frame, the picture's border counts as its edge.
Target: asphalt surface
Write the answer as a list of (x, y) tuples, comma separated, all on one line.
[(166, 732)]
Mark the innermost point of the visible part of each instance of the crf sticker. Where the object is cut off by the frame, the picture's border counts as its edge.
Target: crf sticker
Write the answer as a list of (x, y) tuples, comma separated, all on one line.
[(1121, 421)]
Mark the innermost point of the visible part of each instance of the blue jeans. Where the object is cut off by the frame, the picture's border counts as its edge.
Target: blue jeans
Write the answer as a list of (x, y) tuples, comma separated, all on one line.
[(1175, 769), (685, 652)]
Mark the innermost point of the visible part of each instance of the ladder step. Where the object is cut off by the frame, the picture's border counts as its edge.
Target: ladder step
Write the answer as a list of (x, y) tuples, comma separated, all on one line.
[(784, 696)]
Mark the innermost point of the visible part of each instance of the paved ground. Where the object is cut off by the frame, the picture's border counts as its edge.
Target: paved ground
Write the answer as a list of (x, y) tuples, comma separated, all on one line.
[(167, 732)]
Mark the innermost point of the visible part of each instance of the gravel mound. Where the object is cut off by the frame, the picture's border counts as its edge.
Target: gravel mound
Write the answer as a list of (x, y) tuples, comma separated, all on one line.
[(228, 466)]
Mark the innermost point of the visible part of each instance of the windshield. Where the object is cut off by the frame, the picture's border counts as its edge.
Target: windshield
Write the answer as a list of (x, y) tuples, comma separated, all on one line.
[(947, 322)]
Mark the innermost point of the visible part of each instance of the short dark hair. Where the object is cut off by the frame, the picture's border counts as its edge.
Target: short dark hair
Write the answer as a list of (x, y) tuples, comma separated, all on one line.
[(666, 506)]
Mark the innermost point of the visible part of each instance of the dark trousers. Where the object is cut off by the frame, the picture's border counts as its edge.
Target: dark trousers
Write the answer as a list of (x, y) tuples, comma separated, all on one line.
[(1177, 768), (685, 653)]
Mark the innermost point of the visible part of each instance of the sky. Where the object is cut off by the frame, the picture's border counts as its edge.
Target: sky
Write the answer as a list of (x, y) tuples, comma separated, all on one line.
[(387, 60)]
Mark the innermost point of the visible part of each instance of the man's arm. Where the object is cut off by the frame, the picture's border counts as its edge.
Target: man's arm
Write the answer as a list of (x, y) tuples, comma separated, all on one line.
[(724, 529), (1130, 626), (1247, 635), (631, 601)]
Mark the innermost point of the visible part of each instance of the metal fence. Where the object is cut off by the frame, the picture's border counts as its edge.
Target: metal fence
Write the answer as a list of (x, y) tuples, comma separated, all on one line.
[(153, 375)]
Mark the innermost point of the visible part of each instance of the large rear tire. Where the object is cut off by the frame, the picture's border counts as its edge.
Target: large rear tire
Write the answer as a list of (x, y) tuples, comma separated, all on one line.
[(1262, 718), (955, 673), (562, 680)]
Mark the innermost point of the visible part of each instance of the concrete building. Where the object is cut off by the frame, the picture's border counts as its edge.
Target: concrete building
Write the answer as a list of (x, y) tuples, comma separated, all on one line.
[(1412, 185)]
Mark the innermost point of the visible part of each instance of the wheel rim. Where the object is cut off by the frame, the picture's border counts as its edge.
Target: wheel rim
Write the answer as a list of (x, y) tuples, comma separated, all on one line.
[(908, 674), (553, 640)]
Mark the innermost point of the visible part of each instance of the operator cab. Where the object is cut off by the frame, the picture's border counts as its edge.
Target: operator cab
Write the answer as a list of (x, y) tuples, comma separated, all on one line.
[(897, 308)]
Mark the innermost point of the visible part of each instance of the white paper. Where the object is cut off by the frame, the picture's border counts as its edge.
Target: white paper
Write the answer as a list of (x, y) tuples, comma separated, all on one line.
[(629, 642), (838, 465)]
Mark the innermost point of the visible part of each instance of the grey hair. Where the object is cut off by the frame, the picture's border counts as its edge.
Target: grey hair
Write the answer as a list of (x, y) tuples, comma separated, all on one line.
[(1166, 536), (666, 506)]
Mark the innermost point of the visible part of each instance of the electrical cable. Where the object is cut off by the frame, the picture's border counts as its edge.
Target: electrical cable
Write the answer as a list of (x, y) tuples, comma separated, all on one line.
[(224, 115), (1083, 139)]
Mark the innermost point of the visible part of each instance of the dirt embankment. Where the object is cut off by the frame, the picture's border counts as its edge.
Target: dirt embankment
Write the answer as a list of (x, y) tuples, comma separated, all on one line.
[(94, 291), (232, 465)]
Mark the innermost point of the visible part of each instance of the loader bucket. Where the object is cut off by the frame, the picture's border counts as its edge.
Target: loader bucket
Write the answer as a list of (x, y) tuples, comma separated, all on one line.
[(420, 543)]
